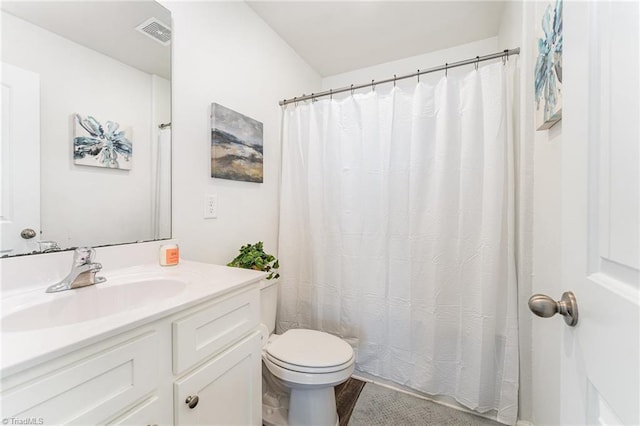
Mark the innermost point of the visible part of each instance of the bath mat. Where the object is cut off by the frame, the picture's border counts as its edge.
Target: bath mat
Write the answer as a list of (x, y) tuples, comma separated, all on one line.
[(381, 406), (347, 395)]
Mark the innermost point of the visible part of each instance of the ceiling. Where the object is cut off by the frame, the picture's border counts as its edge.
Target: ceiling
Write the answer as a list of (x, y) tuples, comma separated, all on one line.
[(338, 36), (105, 26), (331, 36)]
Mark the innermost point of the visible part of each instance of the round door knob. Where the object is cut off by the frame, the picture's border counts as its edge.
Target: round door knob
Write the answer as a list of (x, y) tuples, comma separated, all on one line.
[(544, 306), (27, 233), (192, 401)]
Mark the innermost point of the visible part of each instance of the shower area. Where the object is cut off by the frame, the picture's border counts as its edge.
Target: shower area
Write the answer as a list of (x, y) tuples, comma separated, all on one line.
[(399, 230)]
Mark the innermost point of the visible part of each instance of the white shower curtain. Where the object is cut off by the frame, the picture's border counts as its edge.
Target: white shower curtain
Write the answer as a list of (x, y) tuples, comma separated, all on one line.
[(396, 233)]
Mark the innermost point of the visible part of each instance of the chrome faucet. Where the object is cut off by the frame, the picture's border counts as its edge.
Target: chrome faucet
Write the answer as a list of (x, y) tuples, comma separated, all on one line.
[(83, 271)]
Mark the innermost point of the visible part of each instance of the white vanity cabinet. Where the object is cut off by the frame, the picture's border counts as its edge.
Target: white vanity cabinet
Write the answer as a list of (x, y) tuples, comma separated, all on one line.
[(225, 389), (144, 375)]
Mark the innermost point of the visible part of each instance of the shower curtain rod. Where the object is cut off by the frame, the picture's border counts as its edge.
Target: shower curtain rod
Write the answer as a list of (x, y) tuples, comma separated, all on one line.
[(505, 53)]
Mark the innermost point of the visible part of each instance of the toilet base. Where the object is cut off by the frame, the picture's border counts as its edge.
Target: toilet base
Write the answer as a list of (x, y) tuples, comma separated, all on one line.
[(278, 417), (274, 416), (313, 407)]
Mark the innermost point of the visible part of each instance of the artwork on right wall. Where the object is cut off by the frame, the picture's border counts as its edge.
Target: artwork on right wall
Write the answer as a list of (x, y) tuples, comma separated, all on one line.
[(548, 70), (236, 146)]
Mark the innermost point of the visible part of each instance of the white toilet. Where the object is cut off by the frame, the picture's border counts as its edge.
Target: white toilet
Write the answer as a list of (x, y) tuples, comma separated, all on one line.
[(299, 370)]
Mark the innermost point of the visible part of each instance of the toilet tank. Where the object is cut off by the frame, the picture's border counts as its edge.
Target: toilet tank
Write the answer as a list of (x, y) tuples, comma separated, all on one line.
[(269, 303)]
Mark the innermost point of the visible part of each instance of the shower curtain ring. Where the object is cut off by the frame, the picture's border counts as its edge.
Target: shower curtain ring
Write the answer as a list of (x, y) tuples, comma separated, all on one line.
[(331, 94), (394, 80), (373, 87), (418, 74), (295, 101), (477, 62), (446, 68), (352, 90)]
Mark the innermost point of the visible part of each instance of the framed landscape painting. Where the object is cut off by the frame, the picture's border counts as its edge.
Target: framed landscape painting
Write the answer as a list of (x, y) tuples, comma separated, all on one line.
[(236, 146)]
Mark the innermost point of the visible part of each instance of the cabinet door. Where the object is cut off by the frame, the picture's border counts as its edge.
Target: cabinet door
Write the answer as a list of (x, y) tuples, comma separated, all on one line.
[(228, 388)]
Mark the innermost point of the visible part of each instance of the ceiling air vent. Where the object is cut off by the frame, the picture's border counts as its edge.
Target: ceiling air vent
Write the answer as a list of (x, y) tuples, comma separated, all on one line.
[(155, 29)]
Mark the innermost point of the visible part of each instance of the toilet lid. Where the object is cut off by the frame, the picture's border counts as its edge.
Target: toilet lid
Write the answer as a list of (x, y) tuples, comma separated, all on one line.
[(310, 348)]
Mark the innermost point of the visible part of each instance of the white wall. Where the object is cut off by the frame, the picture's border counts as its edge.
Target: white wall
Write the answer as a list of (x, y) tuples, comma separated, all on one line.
[(77, 201), (547, 253), (224, 53), (540, 338), (161, 89), (411, 65)]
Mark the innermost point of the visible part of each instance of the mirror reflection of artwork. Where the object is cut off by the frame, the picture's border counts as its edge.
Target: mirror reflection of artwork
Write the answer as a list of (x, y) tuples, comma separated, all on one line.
[(548, 71), (101, 144), (236, 146)]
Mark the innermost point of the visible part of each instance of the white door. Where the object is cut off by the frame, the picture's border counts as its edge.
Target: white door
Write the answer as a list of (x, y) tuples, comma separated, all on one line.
[(600, 357), (20, 160)]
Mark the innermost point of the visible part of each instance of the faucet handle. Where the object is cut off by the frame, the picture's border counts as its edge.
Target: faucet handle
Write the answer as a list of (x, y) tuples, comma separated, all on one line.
[(48, 246), (83, 255)]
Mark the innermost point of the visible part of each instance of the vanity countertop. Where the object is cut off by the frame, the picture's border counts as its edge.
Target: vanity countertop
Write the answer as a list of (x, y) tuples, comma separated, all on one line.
[(39, 326)]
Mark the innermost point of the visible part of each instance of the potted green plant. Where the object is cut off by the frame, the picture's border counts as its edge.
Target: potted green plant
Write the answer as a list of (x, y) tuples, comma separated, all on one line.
[(252, 256)]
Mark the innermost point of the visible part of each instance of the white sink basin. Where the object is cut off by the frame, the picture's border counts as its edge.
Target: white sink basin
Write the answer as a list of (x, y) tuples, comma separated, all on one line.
[(92, 302)]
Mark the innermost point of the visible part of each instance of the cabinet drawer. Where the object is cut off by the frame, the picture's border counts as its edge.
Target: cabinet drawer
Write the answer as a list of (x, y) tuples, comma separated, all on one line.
[(90, 390), (142, 414), (228, 388), (210, 329)]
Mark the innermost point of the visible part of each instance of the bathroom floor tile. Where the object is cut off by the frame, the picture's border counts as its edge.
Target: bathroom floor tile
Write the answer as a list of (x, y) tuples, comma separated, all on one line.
[(381, 406)]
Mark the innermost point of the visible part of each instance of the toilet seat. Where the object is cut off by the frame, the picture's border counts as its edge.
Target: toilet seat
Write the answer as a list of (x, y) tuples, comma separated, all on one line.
[(309, 351), (306, 369), (298, 379)]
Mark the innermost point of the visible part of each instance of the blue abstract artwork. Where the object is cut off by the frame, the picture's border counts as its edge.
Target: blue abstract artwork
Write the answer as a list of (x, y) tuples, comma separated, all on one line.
[(548, 68), (101, 145)]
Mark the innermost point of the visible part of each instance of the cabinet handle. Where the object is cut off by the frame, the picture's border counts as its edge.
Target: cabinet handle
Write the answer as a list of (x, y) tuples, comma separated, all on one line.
[(192, 401)]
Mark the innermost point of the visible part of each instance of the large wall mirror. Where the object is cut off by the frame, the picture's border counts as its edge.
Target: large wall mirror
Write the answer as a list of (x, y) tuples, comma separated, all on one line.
[(86, 136)]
